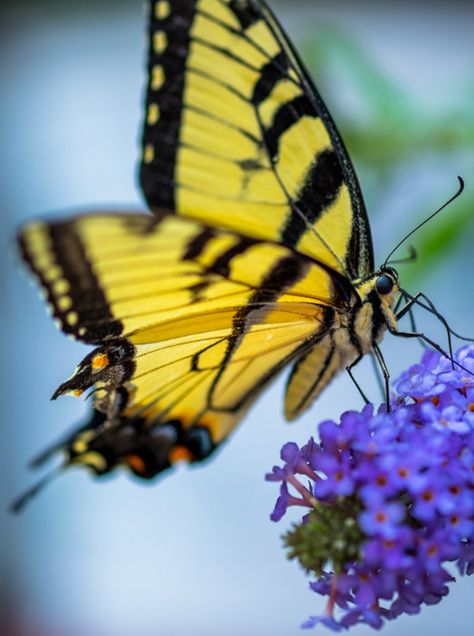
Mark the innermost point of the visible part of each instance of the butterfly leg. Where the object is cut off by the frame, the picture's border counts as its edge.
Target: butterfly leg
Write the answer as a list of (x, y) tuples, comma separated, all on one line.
[(401, 298), (429, 307), (349, 368), (377, 374), (431, 343), (385, 372), (432, 309), (408, 309), (399, 313)]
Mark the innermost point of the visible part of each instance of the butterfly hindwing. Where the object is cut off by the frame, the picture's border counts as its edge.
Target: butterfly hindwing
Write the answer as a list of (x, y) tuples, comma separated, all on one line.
[(236, 135), (191, 322), (311, 373)]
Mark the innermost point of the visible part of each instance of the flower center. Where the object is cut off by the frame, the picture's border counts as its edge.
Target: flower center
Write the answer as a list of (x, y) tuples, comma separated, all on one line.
[(432, 550)]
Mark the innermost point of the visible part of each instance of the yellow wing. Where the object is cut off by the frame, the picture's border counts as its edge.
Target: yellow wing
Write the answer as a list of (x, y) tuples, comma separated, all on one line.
[(237, 136), (311, 373), (192, 323)]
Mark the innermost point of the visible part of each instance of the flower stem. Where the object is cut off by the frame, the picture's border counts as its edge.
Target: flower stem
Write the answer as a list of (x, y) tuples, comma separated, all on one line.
[(304, 492)]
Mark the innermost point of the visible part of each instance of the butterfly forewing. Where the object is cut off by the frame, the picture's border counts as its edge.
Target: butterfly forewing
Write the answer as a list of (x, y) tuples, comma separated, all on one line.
[(236, 136)]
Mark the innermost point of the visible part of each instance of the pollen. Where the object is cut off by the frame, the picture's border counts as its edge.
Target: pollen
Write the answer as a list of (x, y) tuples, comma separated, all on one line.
[(100, 361)]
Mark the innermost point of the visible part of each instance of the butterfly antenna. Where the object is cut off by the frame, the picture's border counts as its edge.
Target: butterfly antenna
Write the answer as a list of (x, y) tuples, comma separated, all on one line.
[(445, 205), (18, 504)]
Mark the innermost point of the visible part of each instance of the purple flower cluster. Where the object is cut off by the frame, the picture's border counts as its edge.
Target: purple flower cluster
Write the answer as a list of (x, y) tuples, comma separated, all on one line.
[(388, 497)]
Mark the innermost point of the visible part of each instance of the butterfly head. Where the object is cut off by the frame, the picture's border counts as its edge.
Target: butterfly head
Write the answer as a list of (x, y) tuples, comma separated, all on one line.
[(386, 281), (386, 289), (377, 296)]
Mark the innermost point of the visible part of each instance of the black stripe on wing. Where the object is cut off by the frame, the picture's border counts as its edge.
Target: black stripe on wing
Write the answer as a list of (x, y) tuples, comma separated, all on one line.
[(164, 102), (285, 273), (169, 55), (360, 259), (319, 192), (67, 277)]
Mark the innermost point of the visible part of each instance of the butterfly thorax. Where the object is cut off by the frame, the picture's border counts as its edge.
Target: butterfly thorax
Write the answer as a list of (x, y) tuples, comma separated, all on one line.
[(353, 332)]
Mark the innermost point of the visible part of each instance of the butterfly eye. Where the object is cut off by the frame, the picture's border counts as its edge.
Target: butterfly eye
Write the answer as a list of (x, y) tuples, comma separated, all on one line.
[(384, 284)]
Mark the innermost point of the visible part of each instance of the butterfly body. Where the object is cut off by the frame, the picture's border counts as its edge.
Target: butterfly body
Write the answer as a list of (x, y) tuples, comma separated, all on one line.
[(351, 334), (258, 253)]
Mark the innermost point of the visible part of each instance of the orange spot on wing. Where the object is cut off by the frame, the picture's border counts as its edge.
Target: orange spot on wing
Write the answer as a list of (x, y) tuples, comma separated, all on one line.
[(77, 392), (100, 361), (179, 454), (136, 463)]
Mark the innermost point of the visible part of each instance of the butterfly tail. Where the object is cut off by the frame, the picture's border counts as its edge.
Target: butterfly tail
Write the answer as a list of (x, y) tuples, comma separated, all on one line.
[(22, 500), (130, 443)]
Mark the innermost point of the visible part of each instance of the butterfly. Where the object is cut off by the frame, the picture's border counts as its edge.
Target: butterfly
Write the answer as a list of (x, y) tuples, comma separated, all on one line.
[(257, 253)]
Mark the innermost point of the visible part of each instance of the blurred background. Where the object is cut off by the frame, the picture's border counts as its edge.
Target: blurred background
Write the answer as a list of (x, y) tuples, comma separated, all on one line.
[(196, 552)]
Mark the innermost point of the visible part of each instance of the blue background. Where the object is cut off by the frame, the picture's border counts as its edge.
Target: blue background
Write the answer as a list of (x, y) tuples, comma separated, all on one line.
[(196, 552)]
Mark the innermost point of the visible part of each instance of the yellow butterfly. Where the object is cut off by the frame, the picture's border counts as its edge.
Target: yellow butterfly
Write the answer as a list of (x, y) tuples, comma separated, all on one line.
[(258, 252)]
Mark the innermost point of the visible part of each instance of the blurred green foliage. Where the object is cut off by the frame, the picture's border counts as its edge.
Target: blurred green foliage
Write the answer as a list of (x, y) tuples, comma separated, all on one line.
[(389, 130)]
